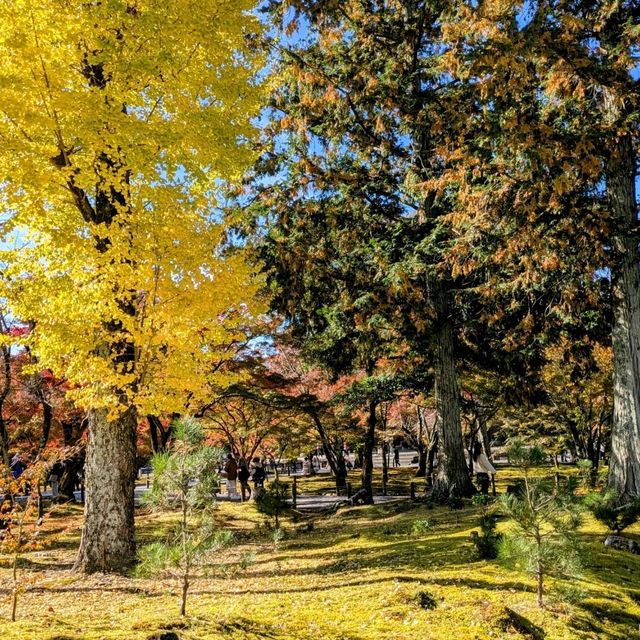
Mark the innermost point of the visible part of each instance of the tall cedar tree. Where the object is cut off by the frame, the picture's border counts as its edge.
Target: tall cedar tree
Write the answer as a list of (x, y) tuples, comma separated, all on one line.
[(353, 240), (545, 166), (118, 119)]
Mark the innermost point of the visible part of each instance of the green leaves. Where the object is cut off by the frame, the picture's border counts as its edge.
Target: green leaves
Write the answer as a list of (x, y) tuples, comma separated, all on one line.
[(523, 455)]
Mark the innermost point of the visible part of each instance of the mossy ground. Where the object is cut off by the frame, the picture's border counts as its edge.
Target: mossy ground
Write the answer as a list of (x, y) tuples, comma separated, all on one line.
[(356, 575)]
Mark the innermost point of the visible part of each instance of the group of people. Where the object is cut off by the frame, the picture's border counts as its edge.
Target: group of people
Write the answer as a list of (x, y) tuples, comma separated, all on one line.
[(239, 471), (19, 463)]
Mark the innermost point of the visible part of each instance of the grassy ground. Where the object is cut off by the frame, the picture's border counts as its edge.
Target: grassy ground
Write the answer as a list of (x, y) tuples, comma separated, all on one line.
[(359, 574)]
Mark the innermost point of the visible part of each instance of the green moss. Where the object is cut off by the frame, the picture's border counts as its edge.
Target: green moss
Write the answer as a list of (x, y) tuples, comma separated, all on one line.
[(355, 575)]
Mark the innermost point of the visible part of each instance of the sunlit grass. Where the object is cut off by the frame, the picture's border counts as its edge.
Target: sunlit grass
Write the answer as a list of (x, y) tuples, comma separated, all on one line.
[(355, 575)]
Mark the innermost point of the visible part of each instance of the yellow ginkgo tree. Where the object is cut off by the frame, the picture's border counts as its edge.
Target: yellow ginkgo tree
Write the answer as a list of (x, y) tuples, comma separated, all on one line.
[(120, 120)]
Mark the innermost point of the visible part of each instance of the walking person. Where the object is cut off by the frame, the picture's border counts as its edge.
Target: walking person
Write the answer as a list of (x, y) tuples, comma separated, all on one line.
[(482, 468), (54, 477), (231, 469), (243, 477), (396, 456)]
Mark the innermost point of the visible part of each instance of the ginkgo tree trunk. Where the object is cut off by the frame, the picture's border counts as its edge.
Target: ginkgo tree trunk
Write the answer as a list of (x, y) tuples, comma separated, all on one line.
[(119, 121)]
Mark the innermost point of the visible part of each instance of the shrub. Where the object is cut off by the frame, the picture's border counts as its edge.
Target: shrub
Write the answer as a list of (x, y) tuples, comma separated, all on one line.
[(420, 527), (273, 500), (185, 477), (486, 543), (606, 508)]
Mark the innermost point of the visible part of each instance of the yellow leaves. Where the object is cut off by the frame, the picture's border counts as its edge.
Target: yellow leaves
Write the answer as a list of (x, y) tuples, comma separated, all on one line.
[(153, 126)]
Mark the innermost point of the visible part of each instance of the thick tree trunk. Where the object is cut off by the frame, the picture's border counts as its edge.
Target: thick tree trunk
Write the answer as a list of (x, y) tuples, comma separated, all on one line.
[(624, 470), (452, 477), (107, 542), (367, 454)]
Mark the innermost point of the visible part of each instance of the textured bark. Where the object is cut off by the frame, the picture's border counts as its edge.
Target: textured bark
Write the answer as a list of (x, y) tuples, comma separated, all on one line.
[(624, 470), (452, 477), (107, 542), (5, 354), (367, 453), (431, 463)]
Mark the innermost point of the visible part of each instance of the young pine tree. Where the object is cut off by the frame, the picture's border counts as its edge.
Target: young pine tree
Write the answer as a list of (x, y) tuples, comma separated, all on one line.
[(185, 478), (545, 518)]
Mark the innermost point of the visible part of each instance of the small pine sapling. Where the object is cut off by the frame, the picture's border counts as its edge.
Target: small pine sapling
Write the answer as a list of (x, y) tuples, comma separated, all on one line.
[(185, 477), (546, 518), (273, 501), (486, 542)]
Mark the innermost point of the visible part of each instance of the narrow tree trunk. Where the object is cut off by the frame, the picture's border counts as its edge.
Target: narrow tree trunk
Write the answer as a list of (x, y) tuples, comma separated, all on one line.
[(452, 476), (624, 470), (333, 454), (185, 590), (540, 582), (5, 353), (422, 461), (484, 432), (4, 440), (47, 419), (341, 475), (367, 454), (107, 542), (72, 432), (431, 462), (385, 467)]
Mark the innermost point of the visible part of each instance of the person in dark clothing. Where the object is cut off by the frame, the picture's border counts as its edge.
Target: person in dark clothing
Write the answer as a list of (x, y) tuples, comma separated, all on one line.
[(231, 469), (243, 477), (17, 466), (258, 475), (396, 456)]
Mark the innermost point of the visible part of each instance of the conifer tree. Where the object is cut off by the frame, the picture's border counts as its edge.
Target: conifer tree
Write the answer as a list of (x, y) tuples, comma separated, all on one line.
[(354, 239), (543, 162)]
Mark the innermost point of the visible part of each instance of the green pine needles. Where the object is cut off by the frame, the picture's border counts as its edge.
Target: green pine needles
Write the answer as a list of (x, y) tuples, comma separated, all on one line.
[(185, 478), (545, 517)]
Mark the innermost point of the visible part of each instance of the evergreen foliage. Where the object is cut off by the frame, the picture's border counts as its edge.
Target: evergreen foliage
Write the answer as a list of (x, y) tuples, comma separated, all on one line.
[(546, 518), (606, 508), (185, 478)]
